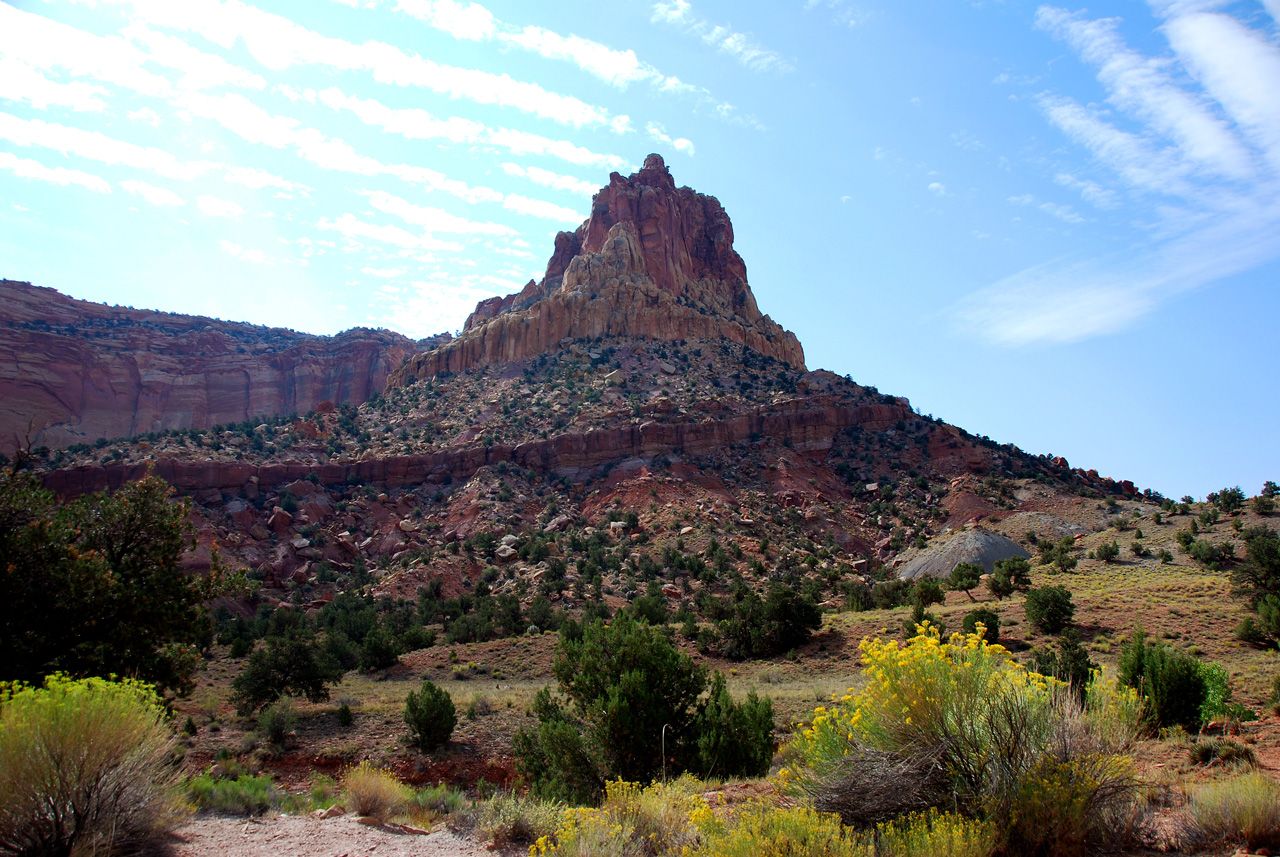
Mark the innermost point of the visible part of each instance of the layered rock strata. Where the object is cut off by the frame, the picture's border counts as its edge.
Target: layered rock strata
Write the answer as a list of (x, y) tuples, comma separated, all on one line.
[(652, 260), (808, 425), (72, 371)]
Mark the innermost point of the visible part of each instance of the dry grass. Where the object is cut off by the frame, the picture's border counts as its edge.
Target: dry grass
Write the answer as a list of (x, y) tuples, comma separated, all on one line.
[(1242, 809), (374, 792)]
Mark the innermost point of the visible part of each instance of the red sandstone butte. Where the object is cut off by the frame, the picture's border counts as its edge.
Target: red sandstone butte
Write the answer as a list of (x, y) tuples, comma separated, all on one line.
[(652, 260)]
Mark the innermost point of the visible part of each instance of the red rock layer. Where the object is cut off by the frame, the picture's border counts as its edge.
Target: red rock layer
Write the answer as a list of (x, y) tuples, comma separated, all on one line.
[(73, 371), (809, 424), (652, 260)]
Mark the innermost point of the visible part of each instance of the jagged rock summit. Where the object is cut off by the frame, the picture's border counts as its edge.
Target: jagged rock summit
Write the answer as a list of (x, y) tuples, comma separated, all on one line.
[(652, 260)]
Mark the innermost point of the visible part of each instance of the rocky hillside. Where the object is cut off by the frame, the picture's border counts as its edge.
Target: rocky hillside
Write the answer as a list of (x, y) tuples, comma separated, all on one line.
[(73, 371), (631, 417)]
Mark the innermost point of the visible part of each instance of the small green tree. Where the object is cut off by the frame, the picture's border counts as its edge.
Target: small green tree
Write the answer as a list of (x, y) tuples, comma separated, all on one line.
[(1018, 570), (1070, 662), (430, 716), (927, 592), (1049, 608), (964, 577), (1000, 584), (292, 664), (1228, 499)]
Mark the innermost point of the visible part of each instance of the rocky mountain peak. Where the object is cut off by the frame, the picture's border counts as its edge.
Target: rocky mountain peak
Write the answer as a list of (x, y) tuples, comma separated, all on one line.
[(652, 260)]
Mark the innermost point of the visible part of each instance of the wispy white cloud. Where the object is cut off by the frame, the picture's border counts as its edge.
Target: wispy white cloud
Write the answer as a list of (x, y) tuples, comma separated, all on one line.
[(279, 43), (937, 187), (257, 179), (740, 46), (541, 208), (1143, 87), (245, 254), (21, 83), (351, 227), (555, 181), (432, 219), (29, 169), (659, 134), (95, 146), (216, 207), (416, 124), (1201, 148), (158, 196), (1062, 212)]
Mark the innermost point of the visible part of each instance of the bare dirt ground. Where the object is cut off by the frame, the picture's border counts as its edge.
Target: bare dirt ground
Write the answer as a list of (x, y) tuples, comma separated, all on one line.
[(304, 836)]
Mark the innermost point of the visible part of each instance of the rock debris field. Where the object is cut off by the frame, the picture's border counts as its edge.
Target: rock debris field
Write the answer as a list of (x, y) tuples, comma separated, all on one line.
[(304, 836)]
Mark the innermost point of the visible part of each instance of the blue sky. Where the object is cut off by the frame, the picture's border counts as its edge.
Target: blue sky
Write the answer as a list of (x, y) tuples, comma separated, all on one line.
[(1055, 225)]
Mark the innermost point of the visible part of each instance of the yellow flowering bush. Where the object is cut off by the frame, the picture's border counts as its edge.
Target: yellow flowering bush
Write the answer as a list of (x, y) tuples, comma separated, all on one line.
[(663, 818), (958, 722), (674, 820)]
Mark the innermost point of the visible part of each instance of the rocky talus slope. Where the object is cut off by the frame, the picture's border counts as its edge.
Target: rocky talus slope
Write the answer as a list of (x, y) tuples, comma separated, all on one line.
[(72, 371)]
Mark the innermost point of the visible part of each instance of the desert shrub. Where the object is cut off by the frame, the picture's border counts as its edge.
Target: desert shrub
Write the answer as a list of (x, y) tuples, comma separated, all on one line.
[(85, 767), (430, 715), (1222, 751), (277, 720), (344, 715), (1169, 680), (434, 802), (888, 594), (1259, 574), (1228, 499), (1243, 809), (733, 739), (375, 792), (1263, 505), (1107, 551), (241, 795), (1014, 747), (758, 628), (1069, 663), (380, 649), (1049, 608), (628, 693), (511, 819), (990, 621)]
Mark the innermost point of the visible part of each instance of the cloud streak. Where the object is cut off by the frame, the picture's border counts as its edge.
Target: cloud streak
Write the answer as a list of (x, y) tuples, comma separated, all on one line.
[(1201, 149), (740, 46)]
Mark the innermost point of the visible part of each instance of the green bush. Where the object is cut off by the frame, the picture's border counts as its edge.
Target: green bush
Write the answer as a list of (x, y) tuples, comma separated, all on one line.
[(1170, 681), (630, 695), (430, 715), (988, 618), (927, 592), (1000, 584), (380, 649), (276, 721), (775, 624), (1017, 569), (1263, 505), (1107, 551), (241, 795), (1049, 608), (85, 767)]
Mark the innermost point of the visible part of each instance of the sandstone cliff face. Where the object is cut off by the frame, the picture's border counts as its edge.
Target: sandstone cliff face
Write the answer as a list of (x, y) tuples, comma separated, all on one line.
[(73, 371), (652, 260)]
